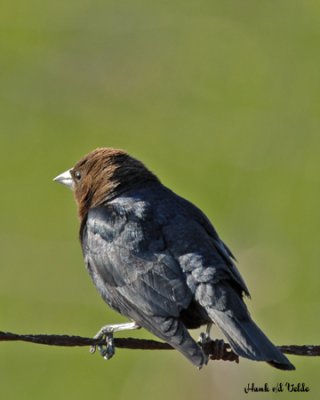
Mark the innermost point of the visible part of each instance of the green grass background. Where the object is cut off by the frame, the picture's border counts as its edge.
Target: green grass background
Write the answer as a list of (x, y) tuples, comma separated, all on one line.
[(221, 100)]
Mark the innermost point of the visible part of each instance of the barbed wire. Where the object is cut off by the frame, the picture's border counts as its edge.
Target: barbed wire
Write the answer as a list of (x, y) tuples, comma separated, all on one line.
[(215, 349)]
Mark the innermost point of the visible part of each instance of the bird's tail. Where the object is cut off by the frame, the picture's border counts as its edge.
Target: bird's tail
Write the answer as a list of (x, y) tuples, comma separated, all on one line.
[(247, 339)]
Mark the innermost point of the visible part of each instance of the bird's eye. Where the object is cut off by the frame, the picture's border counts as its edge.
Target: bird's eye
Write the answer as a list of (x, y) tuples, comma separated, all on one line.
[(77, 175)]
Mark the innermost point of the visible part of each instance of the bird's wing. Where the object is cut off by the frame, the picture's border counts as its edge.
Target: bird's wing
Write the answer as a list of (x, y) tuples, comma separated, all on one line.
[(220, 253), (128, 259)]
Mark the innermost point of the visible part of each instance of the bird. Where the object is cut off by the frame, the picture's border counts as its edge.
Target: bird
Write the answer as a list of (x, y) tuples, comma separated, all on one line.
[(155, 258)]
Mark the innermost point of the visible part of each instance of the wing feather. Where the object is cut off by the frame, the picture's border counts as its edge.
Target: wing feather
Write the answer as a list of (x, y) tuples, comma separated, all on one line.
[(151, 281)]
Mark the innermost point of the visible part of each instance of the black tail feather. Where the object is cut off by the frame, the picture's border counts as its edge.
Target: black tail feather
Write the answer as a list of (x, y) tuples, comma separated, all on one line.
[(247, 340)]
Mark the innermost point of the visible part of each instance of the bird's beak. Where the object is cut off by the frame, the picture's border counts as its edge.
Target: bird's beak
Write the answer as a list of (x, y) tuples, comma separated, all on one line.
[(66, 179)]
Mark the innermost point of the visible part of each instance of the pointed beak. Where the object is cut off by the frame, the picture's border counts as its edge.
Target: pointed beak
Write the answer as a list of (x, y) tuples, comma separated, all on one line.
[(66, 179)]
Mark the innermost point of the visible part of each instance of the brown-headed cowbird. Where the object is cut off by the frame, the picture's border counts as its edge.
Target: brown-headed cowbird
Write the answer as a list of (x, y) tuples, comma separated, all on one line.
[(156, 258)]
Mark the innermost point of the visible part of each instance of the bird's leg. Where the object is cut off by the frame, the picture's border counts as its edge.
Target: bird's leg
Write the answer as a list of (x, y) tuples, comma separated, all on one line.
[(107, 350), (205, 336), (204, 341)]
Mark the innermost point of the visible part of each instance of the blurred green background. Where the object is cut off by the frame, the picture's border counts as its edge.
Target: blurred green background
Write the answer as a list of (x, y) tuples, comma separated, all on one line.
[(221, 100)]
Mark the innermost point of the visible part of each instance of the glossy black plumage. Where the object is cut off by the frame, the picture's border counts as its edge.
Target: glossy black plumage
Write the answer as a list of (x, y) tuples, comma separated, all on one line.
[(155, 258)]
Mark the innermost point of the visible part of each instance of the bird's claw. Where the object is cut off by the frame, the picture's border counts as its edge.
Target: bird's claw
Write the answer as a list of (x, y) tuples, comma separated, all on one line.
[(204, 339), (203, 342), (107, 349), (105, 335), (214, 349)]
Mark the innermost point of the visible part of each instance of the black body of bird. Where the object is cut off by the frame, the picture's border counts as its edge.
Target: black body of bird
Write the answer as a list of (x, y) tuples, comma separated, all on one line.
[(156, 258)]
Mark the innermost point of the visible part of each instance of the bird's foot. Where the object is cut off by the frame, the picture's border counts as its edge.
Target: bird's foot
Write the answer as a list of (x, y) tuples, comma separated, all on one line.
[(215, 349), (204, 339), (107, 349)]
